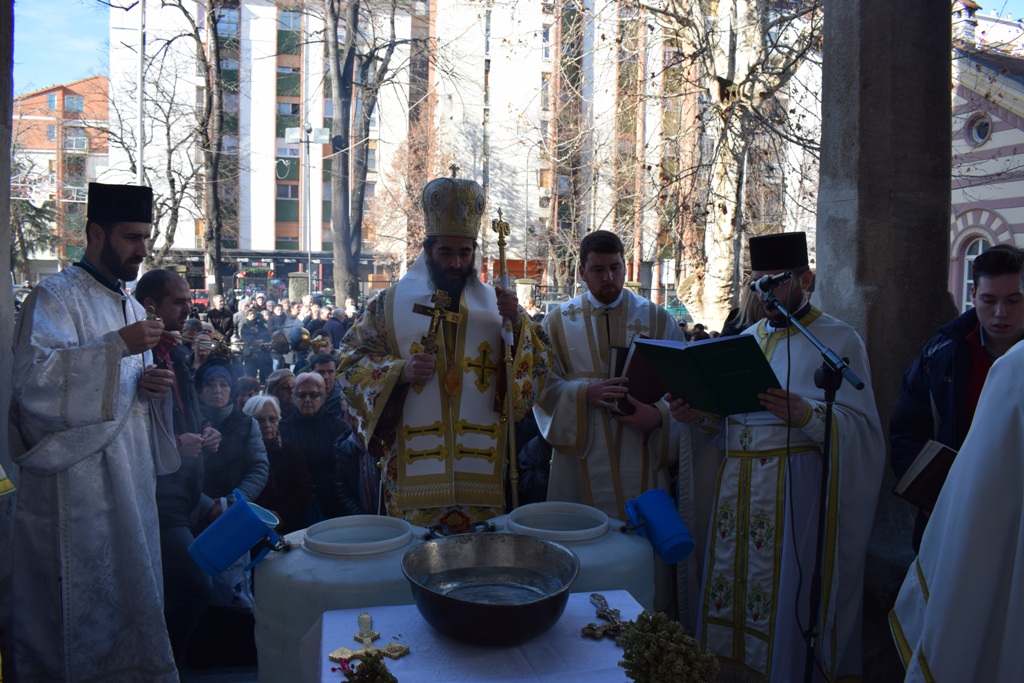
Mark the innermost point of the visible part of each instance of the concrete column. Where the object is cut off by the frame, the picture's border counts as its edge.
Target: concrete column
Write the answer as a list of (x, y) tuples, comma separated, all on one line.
[(883, 228), (6, 311)]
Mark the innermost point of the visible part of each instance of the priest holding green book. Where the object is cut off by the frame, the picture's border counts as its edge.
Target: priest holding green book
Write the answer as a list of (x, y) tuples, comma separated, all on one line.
[(764, 523)]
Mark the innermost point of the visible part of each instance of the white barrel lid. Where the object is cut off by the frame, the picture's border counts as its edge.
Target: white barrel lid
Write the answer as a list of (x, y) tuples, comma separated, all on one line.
[(558, 521), (358, 535)]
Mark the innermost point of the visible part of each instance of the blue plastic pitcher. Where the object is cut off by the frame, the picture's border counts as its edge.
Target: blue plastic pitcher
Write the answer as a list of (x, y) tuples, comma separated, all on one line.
[(233, 534), (656, 517)]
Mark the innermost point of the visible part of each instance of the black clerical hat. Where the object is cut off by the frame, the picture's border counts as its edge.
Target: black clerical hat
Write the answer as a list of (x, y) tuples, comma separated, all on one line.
[(120, 203), (782, 251)]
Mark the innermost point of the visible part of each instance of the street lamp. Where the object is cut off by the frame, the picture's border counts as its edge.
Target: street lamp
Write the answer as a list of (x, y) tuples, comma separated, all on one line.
[(305, 135)]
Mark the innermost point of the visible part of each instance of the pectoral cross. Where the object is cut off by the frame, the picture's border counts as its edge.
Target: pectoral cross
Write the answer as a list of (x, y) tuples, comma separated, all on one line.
[(613, 625), (365, 637), (437, 313)]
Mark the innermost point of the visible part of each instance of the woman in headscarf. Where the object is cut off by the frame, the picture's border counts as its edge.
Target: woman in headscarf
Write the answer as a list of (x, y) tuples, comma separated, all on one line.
[(241, 461), (224, 637), (281, 385), (289, 489)]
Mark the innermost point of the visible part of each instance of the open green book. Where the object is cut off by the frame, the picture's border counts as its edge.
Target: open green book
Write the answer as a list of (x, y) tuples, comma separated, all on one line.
[(722, 375)]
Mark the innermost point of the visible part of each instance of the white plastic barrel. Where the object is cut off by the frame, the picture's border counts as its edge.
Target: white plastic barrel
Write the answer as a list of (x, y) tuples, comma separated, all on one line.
[(341, 563), (609, 558)]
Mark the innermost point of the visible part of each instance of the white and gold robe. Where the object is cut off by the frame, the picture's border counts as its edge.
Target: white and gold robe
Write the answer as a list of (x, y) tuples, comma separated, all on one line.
[(762, 540), (444, 453), (87, 589), (597, 461), (960, 613)]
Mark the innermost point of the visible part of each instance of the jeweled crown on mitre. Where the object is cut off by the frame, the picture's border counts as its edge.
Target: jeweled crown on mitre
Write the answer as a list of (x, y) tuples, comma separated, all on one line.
[(453, 207)]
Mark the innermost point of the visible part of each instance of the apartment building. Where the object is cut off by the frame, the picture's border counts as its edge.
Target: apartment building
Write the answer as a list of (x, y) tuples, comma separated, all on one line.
[(59, 145)]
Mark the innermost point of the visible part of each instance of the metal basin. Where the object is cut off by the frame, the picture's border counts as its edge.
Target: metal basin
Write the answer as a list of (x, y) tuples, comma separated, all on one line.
[(491, 589)]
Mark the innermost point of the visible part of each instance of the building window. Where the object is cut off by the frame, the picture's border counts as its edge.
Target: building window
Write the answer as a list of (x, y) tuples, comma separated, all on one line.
[(974, 249), (229, 65), (285, 149), (328, 107), (545, 44), (979, 129), (545, 91), (231, 102), (289, 21), (74, 138), (371, 156), (288, 108), (227, 21), (229, 144), (51, 133), (51, 101), (288, 70), (287, 191), (74, 103)]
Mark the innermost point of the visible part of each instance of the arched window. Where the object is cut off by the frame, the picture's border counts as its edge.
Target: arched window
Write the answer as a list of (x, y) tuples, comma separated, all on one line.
[(973, 250)]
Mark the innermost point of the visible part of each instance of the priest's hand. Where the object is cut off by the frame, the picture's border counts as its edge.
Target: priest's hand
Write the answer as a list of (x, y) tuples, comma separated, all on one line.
[(419, 368), (680, 410), (644, 418), (508, 304), (156, 382), (605, 394), (791, 408), (142, 335)]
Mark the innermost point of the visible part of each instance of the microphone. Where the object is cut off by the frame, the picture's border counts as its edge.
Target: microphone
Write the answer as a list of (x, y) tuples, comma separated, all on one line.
[(770, 282)]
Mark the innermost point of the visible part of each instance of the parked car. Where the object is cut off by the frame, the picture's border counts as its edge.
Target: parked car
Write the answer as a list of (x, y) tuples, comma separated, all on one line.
[(200, 299), (677, 309)]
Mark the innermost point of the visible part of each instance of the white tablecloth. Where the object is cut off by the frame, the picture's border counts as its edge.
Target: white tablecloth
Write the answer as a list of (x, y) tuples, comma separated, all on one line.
[(560, 654)]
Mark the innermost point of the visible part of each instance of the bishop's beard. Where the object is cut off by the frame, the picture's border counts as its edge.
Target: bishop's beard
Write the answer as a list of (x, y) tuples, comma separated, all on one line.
[(450, 280)]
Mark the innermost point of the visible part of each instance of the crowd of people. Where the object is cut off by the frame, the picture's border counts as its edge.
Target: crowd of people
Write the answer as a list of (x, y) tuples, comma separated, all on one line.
[(138, 424)]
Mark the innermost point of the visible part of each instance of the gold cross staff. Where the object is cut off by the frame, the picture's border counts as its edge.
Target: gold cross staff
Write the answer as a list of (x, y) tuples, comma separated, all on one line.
[(439, 311)]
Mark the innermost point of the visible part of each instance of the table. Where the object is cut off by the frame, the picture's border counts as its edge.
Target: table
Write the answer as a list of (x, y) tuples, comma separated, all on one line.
[(560, 654)]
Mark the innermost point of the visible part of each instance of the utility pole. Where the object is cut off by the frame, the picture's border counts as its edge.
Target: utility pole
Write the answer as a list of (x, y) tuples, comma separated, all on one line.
[(306, 135)]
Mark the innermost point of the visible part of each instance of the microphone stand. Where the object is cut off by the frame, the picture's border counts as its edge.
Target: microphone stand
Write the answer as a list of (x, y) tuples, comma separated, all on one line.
[(829, 377)]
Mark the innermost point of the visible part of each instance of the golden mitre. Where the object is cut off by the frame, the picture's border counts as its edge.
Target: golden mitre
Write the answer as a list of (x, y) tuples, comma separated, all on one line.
[(453, 207)]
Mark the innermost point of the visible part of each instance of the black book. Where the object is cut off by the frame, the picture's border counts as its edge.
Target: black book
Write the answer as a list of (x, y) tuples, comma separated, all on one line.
[(722, 375), (923, 480)]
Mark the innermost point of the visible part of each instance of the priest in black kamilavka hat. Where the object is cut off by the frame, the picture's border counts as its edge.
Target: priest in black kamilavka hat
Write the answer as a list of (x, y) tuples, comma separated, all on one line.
[(764, 523), (92, 421)]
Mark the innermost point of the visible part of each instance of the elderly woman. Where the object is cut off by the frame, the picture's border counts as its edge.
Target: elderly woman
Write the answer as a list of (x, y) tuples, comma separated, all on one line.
[(245, 388), (241, 460), (289, 489), (314, 430), (281, 385)]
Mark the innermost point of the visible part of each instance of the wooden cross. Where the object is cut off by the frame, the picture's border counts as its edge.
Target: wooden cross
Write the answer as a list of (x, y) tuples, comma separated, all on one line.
[(437, 313), (365, 637), (480, 366), (613, 626)]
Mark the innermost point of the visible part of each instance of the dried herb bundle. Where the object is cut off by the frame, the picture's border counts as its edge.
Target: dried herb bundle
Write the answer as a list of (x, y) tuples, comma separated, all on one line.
[(656, 649)]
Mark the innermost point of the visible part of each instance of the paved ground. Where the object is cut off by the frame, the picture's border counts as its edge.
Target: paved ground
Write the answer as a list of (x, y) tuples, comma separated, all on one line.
[(236, 675)]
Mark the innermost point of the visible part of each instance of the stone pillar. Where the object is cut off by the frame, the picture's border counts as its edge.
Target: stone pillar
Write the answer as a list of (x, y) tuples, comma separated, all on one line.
[(298, 286), (6, 316), (883, 228)]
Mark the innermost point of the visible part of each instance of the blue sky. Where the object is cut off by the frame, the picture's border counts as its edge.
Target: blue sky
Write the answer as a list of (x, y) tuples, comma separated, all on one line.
[(58, 41)]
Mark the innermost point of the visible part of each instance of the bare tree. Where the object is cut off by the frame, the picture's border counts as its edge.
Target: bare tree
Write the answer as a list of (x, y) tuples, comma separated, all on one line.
[(359, 68), (743, 61), (187, 130)]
